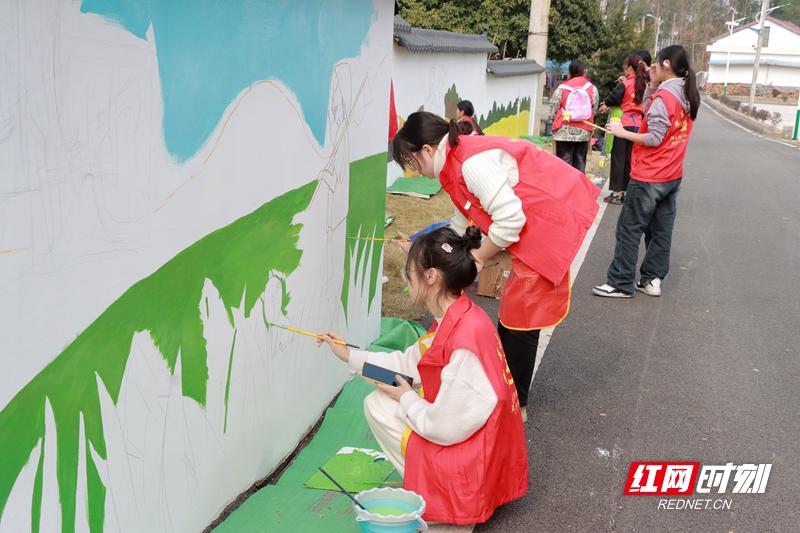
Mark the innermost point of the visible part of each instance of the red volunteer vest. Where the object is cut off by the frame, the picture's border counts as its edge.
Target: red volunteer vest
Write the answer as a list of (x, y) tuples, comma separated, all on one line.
[(558, 121), (631, 111), (558, 202), (663, 163), (465, 482)]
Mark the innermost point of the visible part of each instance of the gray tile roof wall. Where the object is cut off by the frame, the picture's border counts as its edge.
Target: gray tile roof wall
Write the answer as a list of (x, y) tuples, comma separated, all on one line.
[(424, 40), (502, 68)]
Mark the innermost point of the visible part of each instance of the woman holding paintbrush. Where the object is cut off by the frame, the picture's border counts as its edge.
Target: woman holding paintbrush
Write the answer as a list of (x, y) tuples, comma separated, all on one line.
[(523, 199), (627, 94), (459, 442)]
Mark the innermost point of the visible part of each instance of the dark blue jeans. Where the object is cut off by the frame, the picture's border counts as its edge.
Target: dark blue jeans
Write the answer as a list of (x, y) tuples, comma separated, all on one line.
[(649, 209)]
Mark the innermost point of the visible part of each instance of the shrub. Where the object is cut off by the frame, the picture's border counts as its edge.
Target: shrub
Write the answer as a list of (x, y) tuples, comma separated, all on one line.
[(776, 119)]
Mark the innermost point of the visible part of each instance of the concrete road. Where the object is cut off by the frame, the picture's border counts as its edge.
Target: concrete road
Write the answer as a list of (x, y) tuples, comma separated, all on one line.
[(709, 372)]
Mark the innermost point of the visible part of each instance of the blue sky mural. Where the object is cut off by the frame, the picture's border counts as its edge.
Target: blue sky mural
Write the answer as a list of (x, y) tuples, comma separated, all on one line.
[(210, 50)]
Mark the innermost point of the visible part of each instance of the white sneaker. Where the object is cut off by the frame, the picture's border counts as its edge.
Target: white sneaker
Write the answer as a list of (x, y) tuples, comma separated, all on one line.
[(651, 287), (607, 291)]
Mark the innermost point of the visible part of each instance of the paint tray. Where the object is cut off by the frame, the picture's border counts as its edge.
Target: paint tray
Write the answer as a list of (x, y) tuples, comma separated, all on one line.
[(356, 469)]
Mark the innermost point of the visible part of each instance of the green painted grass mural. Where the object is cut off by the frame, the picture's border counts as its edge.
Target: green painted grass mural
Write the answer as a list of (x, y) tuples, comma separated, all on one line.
[(366, 215), (238, 259), (497, 113)]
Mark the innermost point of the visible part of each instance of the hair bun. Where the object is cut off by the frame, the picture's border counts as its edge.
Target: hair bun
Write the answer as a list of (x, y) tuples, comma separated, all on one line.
[(472, 238)]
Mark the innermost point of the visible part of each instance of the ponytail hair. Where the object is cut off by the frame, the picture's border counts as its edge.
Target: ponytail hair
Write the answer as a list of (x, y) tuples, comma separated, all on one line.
[(451, 254), (679, 64), (641, 77), (420, 129)]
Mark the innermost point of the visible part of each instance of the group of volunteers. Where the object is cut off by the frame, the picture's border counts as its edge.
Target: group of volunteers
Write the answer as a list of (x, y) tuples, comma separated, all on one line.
[(459, 439)]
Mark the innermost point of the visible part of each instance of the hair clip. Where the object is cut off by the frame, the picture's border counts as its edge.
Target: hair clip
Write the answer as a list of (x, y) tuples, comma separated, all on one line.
[(447, 248)]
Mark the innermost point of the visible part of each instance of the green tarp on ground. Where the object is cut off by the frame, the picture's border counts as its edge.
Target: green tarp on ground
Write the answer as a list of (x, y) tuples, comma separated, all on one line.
[(288, 506), (291, 509), (418, 187), (397, 334), (538, 140)]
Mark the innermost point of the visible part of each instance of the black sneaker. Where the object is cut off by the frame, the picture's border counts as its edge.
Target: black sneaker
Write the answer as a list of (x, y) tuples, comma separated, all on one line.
[(607, 291)]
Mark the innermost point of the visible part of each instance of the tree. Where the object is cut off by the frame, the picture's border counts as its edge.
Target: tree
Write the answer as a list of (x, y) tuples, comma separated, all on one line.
[(576, 29), (505, 21), (623, 38)]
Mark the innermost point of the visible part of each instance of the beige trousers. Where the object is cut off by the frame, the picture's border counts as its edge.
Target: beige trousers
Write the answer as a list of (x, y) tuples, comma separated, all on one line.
[(380, 411)]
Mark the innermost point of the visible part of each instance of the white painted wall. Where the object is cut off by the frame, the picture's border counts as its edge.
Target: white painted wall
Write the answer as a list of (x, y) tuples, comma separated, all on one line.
[(776, 76), (422, 79), (783, 52), (91, 202)]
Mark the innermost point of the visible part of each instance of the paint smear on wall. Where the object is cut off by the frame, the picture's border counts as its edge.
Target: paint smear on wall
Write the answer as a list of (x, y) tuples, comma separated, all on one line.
[(238, 259), (366, 215), (209, 51)]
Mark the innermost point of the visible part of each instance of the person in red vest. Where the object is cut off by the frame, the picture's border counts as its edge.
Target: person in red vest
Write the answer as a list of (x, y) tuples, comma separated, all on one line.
[(466, 118), (459, 443), (523, 199), (576, 101), (628, 95), (671, 103)]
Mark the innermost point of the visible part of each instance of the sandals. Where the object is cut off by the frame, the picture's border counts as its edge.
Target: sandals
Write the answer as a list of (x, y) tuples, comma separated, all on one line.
[(615, 198)]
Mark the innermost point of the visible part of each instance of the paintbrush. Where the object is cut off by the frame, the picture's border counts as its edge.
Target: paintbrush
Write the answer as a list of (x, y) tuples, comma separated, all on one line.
[(310, 334), (592, 124), (377, 239), (342, 489)]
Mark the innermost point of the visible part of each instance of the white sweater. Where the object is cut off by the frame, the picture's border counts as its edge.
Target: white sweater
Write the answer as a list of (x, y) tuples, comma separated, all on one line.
[(465, 401), (490, 176)]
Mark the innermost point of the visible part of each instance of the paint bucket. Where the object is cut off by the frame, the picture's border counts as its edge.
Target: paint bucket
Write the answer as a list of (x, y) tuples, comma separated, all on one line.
[(390, 510)]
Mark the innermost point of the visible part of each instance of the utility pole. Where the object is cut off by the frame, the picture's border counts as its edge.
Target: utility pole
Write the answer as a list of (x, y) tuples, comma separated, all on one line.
[(732, 24), (759, 41), (537, 50), (658, 31)]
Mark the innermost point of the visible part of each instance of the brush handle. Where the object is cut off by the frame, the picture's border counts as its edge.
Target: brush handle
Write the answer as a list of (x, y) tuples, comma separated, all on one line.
[(327, 475), (592, 124), (318, 336)]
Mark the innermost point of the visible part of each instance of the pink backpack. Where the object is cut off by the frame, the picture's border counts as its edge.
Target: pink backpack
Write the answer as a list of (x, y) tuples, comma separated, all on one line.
[(579, 104)]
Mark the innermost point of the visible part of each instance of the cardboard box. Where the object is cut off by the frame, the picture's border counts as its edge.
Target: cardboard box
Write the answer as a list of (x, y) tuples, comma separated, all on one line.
[(492, 280)]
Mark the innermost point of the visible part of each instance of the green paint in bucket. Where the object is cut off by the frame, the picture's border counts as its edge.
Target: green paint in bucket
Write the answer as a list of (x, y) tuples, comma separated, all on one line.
[(390, 510)]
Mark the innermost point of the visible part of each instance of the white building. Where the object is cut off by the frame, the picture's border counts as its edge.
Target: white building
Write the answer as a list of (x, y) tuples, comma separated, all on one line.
[(779, 65)]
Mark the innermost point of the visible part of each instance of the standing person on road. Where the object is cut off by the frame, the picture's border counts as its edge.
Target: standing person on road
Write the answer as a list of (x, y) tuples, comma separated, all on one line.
[(671, 103), (628, 95), (523, 199), (575, 101)]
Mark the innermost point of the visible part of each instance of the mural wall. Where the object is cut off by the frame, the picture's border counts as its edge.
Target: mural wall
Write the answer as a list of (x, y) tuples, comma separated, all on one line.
[(436, 82), (176, 177)]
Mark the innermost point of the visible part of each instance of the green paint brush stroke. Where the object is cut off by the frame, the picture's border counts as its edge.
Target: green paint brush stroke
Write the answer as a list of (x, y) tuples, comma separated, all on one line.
[(366, 215), (238, 259), (228, 379)]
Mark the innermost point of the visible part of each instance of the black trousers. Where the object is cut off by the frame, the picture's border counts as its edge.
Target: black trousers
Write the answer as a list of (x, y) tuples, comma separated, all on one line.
[(520, 348), (573, 153), (621, 163)]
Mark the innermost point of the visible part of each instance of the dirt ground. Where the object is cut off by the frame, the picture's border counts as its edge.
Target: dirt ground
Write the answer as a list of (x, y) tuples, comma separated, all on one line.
[(411, 215)]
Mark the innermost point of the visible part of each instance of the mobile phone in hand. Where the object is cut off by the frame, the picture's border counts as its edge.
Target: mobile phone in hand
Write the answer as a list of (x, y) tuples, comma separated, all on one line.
[(379, 374)]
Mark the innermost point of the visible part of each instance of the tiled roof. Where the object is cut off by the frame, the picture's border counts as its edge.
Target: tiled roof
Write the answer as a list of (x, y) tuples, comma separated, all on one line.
[(503, 68), (423, 40)]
